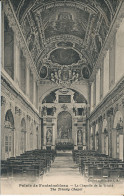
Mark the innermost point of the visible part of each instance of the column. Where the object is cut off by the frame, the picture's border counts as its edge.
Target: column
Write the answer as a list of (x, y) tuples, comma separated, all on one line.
[(31, 86), (84, 138), (44, 133), (34, 91), (3, 104), (36, 95), (27, 81), (94, 126), (17, 131), (53, 140), (101, 81), (16, 62), (88, 135), (39, 136), (90, 95), (2, 36), (119, 54), (112, 64), (110, 127), (98, 87), (100, 134), (94, 93), (28, 133), (106, 74)]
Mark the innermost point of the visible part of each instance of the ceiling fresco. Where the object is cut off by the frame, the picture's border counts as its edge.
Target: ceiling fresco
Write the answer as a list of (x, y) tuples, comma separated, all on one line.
[(65, 37), (64, 56)]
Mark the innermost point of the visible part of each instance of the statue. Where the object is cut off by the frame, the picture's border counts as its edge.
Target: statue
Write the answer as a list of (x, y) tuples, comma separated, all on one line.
[(49, 136), (79, 137), (52, 77)]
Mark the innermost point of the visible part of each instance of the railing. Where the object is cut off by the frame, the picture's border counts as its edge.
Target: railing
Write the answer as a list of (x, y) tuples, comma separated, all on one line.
[(64, 141)]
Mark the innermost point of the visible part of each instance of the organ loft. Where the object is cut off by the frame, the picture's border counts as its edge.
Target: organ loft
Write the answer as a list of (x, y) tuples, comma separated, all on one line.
[(62, 85)]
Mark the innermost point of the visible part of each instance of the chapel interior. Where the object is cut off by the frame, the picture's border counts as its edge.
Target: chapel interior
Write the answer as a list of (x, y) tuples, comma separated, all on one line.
[(62, 86)]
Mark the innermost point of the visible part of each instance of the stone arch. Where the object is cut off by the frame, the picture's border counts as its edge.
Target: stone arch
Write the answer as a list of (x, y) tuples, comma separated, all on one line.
[(56, 88), (9, 119)]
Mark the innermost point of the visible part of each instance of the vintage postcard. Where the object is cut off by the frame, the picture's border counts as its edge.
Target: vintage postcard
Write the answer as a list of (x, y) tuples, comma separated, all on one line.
[(62, 97)]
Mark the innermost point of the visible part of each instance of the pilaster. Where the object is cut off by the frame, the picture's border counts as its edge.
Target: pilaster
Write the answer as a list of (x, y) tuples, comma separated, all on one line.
[(27, 81), (17, 130), (34, 91), (3, 104)]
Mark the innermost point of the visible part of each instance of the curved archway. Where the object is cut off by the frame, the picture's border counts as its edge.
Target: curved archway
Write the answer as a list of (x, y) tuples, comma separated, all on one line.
[(45, 94), (23, 136), (117, 136), (64, 125), (9, 134), (9, 120)]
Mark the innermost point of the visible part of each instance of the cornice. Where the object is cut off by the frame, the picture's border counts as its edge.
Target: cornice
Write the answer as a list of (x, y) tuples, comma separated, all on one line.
[(16, 93)]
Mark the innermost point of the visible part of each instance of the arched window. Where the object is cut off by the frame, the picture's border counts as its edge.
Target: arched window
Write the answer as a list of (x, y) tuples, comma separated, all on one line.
[(9, 134)]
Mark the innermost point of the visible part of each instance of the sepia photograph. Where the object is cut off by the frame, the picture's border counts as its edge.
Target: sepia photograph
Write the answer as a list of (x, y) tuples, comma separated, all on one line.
[(62, 97)]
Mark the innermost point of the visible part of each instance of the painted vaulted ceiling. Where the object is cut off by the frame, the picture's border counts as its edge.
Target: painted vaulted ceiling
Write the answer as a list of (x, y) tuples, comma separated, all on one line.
[(65, 37)]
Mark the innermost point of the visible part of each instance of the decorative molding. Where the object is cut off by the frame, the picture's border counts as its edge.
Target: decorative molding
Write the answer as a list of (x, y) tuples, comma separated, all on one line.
[(64, 107), (18, 111), (3, 100), (28, 117), (110, 112)]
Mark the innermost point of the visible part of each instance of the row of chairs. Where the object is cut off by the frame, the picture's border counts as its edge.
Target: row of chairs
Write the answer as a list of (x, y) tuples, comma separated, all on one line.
[(31, 163), (94, 164)]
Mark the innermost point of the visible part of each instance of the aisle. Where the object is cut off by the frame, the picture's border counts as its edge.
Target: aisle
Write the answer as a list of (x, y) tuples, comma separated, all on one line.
[(63, 168)]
